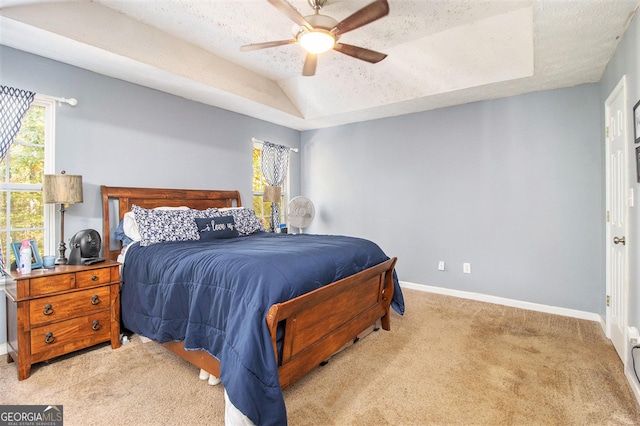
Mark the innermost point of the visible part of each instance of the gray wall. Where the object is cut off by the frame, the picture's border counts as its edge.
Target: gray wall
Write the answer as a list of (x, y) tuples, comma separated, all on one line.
[(513, 186), (627, 62), (122, 134)]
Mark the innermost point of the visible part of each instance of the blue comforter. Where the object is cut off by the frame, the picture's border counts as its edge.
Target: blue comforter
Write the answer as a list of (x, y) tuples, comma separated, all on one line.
[(214, 295)]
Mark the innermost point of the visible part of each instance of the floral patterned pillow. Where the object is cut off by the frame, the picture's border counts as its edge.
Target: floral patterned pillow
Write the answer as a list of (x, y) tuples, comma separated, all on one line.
[(244, 218), (157, 226)]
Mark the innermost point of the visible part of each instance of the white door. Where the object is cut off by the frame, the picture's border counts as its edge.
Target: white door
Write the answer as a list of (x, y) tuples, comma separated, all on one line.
[(617, 213)]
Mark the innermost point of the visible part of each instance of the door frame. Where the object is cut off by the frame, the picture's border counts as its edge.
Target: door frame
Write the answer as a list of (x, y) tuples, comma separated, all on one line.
[(620, 89)]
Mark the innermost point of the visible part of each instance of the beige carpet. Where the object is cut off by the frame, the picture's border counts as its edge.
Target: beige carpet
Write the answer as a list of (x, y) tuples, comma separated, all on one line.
[(448, 361)]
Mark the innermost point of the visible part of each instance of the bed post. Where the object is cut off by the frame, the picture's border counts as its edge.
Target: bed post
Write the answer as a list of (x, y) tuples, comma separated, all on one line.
[(387, 294), (106, 228)]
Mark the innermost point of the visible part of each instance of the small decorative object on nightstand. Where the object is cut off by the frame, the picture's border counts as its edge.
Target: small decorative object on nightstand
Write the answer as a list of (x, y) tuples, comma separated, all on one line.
[(51, 312)]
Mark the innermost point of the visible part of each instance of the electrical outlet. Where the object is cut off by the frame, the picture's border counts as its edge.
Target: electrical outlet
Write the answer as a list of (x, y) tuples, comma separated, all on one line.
[(466, 268), (441, 265)]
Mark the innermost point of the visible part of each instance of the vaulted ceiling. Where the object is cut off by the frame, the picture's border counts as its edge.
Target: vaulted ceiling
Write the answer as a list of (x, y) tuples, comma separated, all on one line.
[(440, 52)]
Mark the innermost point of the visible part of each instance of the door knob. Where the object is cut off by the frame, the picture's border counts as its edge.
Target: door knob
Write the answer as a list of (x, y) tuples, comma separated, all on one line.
[(620, 240)]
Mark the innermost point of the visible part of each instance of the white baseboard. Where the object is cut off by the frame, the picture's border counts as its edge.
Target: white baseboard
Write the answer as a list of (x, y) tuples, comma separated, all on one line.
[(3, 348), (590, 316), (633, 383)]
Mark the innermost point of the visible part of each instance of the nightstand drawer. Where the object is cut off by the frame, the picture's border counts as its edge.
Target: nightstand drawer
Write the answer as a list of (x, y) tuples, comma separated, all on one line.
[(64, 306), (67, 336), (51, 284), (93, 277)]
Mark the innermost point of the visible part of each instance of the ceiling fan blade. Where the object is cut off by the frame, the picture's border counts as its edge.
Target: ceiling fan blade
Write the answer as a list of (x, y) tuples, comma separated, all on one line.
[(310, 63), (360, 53), (364, 16), (291, 13), (256, 46)]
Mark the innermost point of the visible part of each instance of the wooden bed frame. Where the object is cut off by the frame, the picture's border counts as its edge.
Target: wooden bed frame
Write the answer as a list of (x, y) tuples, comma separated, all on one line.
[(317, 324)]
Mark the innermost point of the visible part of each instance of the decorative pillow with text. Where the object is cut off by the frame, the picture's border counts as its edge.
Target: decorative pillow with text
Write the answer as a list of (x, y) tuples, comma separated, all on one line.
[(212, 228)]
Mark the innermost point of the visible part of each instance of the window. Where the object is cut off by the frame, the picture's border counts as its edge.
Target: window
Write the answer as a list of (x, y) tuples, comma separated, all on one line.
[(262, 209), (22, 212)]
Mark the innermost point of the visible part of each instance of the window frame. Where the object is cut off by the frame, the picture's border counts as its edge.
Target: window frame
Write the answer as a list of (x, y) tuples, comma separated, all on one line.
[(284, 200), (49, 158)]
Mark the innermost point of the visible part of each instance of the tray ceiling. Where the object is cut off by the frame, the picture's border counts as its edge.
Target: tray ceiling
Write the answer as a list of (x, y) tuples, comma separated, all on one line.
[(440, 52)]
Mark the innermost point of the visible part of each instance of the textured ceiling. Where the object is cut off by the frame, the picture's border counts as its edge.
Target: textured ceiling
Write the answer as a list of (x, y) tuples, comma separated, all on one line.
[(440, 52)]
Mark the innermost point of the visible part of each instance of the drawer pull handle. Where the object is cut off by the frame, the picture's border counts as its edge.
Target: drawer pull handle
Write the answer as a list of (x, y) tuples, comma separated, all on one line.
[(48, 309), (96, 325), (94, 278), (95, 300), (49, 338)]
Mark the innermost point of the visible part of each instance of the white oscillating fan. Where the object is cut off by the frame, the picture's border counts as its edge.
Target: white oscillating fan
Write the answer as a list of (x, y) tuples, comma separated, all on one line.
[(301, 212)]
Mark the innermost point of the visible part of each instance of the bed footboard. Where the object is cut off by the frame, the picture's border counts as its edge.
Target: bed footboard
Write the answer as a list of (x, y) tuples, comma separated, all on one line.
[(319, 323)]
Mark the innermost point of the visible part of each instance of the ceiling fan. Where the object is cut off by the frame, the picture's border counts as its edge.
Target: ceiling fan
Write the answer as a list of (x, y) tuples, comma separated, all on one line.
[(319, 33)]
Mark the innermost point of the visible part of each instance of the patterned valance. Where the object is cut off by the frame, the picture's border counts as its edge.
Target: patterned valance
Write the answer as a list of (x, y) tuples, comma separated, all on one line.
[(14, 103)]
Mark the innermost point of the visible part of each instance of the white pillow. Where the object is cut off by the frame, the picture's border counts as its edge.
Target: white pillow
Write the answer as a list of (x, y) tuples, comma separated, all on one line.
[(130, 226)]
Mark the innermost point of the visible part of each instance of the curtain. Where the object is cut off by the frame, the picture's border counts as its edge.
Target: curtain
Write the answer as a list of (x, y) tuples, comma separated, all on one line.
[(275, 162), (14, 104)]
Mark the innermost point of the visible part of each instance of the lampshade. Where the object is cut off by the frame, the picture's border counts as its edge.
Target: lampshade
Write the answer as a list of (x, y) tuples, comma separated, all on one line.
[(272, 194), (62, 189)]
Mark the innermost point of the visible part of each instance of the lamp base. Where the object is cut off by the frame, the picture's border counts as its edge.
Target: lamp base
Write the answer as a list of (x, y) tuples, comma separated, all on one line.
[(62, 259)]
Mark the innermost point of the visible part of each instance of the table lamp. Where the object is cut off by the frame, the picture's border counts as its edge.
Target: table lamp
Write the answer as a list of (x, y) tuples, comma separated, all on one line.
[(62, 189)]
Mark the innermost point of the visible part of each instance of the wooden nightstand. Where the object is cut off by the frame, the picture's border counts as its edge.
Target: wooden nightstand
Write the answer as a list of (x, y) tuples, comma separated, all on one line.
[(55, 311)]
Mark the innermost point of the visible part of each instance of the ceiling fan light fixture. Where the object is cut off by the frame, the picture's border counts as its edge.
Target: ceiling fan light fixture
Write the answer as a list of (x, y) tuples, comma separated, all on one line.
[(316, 41)]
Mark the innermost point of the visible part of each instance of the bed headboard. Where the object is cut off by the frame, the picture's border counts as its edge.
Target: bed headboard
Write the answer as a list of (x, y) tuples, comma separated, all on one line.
[(116, 201)]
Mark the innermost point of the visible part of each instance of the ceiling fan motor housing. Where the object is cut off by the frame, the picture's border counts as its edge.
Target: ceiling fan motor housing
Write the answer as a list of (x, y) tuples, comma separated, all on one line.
[(317, 21), (317, 4)]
